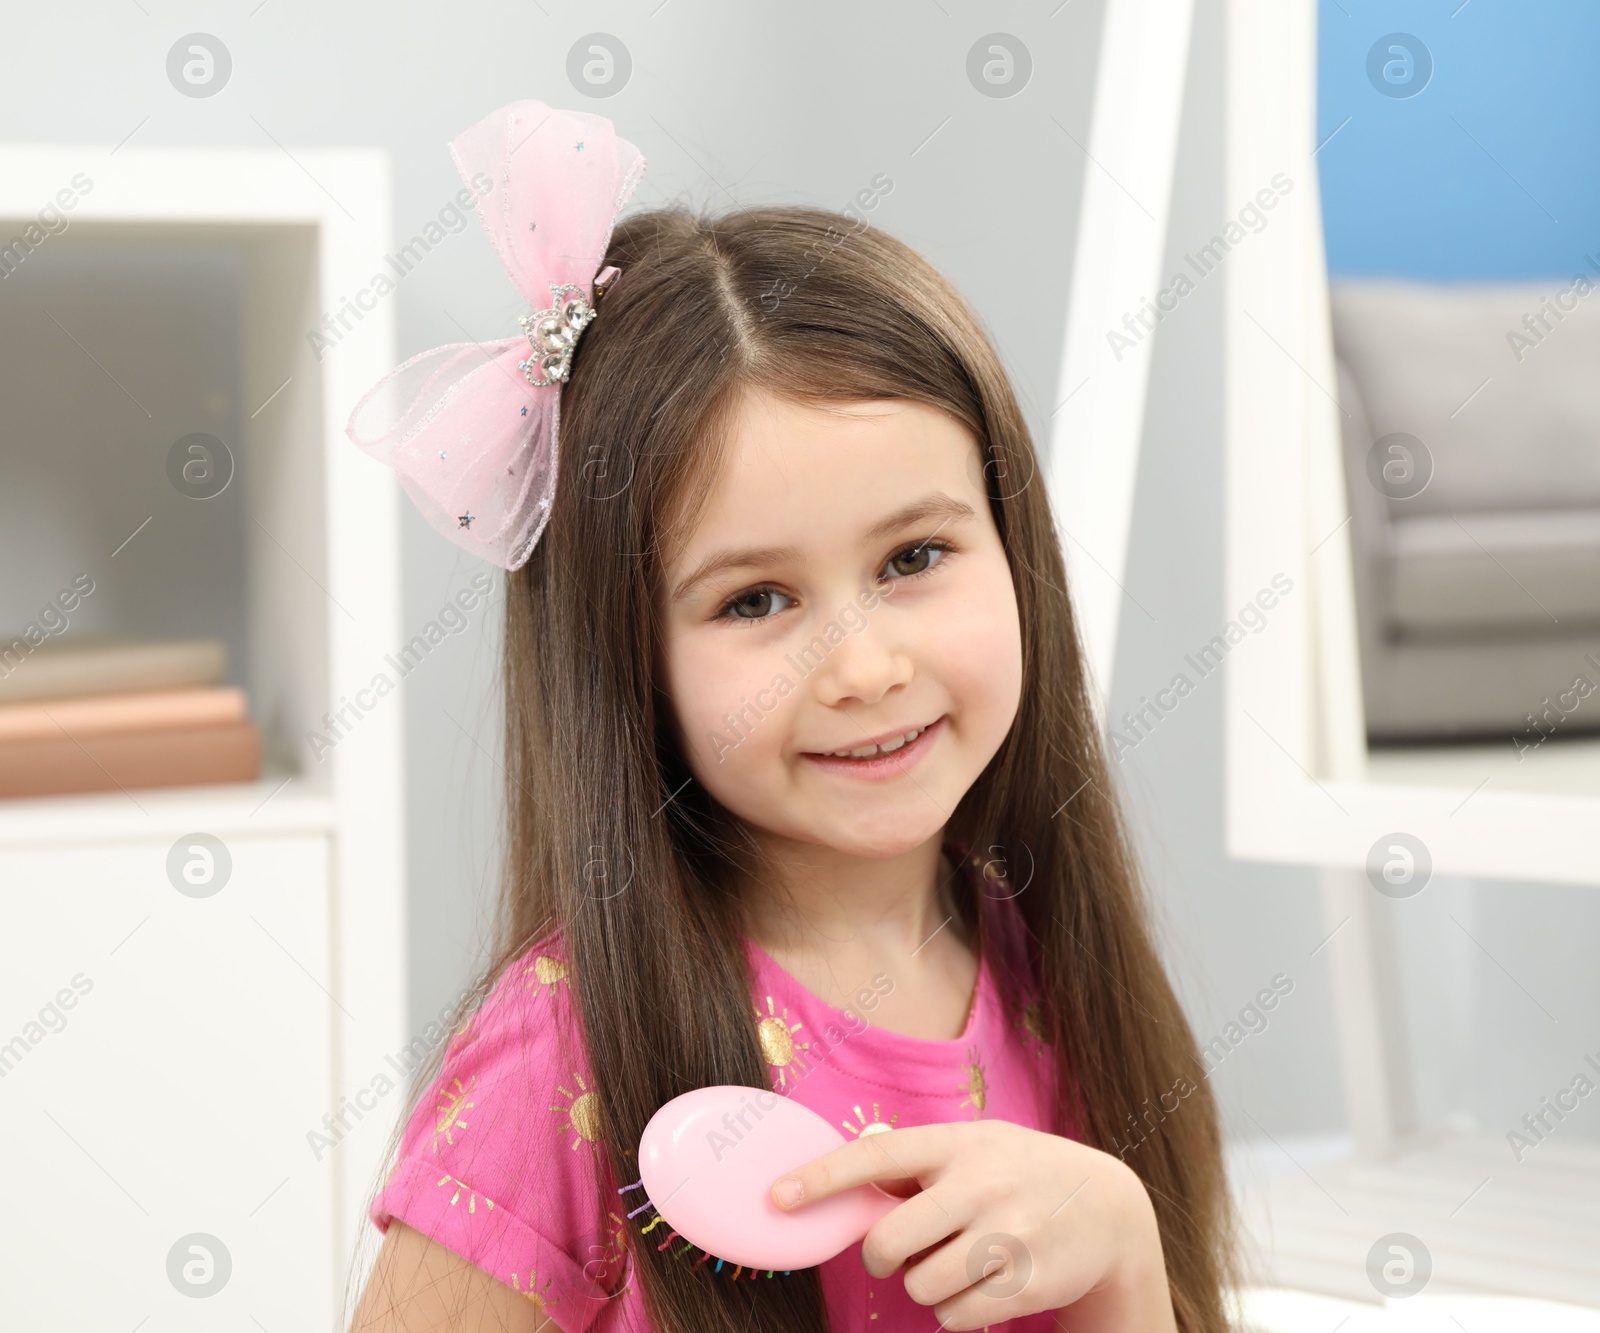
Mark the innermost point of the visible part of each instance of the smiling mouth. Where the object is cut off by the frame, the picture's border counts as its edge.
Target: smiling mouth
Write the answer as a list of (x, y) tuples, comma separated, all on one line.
[(873, 751), (890, 757)]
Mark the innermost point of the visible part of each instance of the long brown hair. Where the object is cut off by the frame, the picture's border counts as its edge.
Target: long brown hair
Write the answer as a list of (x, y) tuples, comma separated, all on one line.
[(610, 840)]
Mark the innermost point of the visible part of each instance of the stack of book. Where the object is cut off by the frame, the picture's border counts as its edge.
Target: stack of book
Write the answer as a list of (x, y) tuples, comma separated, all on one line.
[(96, 715)]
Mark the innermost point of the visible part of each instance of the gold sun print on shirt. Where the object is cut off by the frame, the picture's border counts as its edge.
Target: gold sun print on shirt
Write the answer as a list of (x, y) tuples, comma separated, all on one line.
[(778, 1045), (613, 1237), (447, 1121), (863, 1126), (463, 1188), (538, 1296), (460, 1038), (977, 1085), (1031, 1023), (582, 1109), (608, 1261), (546, 972)]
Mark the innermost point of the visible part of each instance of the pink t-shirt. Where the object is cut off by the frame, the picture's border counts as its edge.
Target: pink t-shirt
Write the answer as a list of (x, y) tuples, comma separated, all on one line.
[(498, 1162)]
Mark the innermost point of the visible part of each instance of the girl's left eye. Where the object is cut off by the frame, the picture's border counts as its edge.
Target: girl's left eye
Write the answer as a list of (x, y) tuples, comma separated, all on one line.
[(914, 559), (754, 604)]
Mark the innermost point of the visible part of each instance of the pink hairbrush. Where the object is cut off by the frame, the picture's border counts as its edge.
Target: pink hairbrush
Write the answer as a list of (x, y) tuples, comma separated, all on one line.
[(707, 1162)]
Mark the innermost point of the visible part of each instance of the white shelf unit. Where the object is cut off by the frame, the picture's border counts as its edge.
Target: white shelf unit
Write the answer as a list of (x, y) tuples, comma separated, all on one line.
[(1301, 787), (215, 1033)]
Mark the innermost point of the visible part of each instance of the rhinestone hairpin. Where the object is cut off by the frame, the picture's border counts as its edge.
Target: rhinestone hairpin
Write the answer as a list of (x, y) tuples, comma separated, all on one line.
[(553, 333)]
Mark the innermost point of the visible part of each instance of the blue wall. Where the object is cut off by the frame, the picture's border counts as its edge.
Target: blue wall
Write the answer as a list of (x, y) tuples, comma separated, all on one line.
[(1406, 190)]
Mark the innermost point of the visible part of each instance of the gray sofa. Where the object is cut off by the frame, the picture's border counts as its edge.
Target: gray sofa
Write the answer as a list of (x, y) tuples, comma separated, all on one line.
[(1478, 596)]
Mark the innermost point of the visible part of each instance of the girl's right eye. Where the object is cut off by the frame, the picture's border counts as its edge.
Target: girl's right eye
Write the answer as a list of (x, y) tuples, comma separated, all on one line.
[(756, 600)]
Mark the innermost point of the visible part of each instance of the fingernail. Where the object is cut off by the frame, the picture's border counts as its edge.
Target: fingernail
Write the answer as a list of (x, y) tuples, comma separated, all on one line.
[(788, 1191)]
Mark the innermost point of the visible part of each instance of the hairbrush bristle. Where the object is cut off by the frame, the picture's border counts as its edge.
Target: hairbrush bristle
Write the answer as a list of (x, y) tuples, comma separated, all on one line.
[(687, 1244)]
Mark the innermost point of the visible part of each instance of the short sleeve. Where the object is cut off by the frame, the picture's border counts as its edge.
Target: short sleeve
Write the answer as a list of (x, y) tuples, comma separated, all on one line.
[(500, 1158)]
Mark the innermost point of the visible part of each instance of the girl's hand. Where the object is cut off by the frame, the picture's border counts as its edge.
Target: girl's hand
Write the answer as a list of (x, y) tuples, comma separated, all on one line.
[(1008, 1221)]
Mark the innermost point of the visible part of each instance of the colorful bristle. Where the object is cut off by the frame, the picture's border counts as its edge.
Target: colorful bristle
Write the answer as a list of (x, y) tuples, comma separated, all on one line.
[(688, 1245)]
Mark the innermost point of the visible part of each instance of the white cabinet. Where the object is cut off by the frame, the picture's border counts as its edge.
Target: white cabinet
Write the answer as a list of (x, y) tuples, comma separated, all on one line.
[(175, 1094), (208, 1036)]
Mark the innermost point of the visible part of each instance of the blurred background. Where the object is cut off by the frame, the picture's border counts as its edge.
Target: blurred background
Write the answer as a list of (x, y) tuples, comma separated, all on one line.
[(211, 574)]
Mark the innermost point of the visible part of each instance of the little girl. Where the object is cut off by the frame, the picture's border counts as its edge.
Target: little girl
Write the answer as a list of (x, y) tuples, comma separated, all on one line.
[(804, 793)]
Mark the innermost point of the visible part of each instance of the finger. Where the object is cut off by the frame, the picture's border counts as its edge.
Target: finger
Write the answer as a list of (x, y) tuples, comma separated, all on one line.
[(907, 1235), (975, 1280), (894, 1154), (972, 1311)]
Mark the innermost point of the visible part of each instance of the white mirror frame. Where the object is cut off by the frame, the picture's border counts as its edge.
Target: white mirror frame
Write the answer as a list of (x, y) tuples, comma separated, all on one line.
[(1301, 787)]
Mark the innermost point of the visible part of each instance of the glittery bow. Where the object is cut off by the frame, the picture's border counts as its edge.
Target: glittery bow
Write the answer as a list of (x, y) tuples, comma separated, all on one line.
[(471, 428)]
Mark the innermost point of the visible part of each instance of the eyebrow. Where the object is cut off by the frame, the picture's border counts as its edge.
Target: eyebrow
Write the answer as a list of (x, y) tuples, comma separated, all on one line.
[(934, 505)]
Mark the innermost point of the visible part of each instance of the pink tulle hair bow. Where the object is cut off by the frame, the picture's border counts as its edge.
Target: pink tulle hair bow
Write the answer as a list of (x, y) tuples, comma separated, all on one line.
[(471, 428)]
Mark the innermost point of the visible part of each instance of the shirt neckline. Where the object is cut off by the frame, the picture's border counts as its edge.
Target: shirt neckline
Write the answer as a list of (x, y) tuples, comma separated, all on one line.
[(929, 1045), (836, 1015)]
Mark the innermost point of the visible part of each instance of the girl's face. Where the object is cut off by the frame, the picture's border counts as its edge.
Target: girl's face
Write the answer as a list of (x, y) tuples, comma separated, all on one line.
[(844, 585)]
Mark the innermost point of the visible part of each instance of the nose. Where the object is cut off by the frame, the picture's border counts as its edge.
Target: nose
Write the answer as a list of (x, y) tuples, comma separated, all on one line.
[(863, 668)]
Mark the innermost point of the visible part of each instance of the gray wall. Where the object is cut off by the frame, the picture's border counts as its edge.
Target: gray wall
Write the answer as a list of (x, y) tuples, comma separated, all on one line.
[(1230, 927)]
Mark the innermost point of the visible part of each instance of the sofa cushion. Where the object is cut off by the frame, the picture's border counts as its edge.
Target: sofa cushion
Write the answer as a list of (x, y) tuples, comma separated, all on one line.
[(1488, 574), (1496, 379), (1479, 596)]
